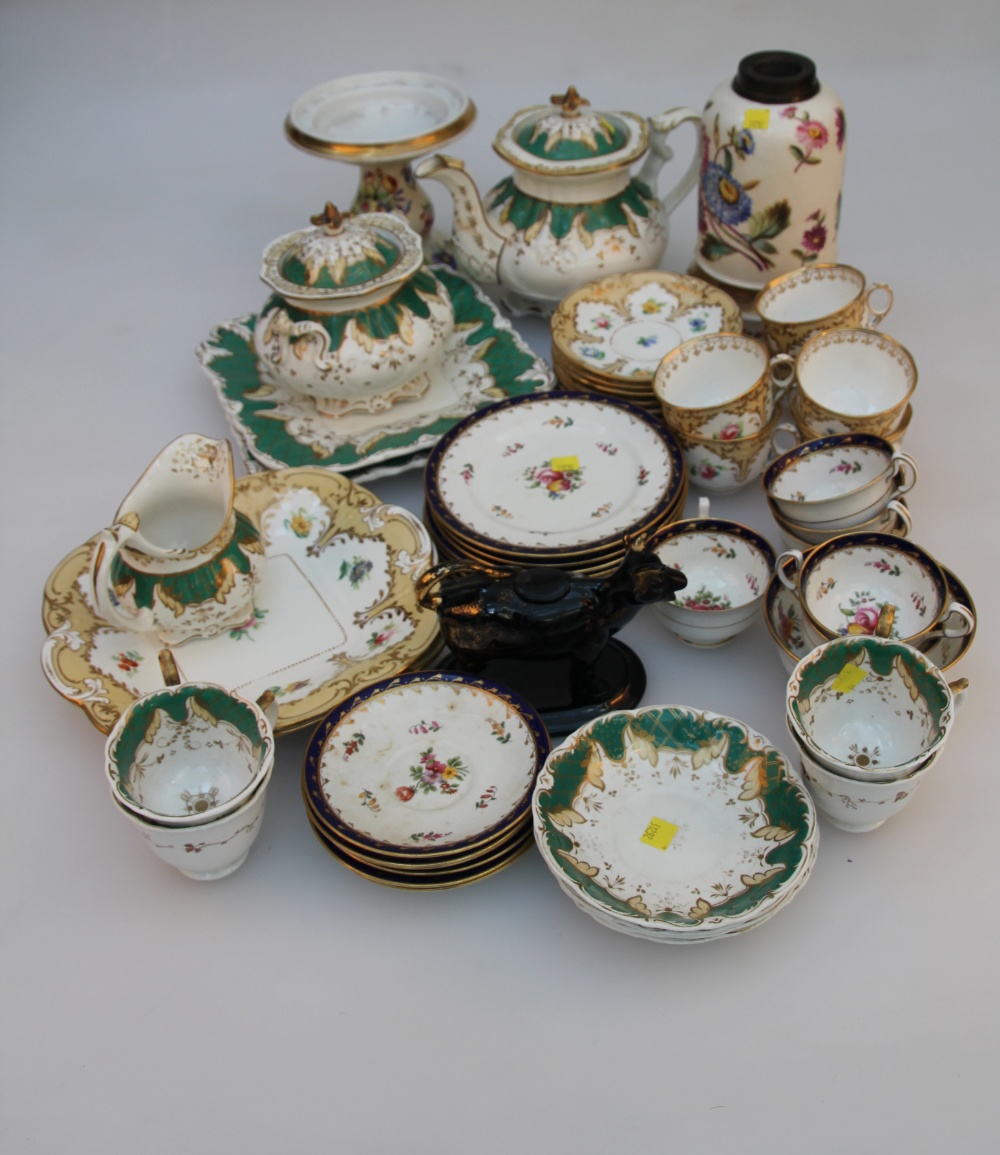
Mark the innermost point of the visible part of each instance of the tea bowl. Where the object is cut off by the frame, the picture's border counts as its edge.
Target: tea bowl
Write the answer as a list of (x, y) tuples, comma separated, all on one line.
[(188, 754), (727, 566), (844, 478), (208, 850), (870, 709), (857, 807)]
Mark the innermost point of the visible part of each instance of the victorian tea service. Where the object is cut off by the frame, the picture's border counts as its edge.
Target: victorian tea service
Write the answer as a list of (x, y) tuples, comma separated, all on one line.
[(383, 346)]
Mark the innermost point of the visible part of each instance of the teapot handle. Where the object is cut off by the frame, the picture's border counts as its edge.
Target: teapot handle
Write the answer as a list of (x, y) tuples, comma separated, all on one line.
[(106, 546), (660, 152)]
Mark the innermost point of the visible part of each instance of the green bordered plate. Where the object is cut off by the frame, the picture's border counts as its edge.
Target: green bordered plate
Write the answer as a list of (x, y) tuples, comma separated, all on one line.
[(674, 818), (485, 361)]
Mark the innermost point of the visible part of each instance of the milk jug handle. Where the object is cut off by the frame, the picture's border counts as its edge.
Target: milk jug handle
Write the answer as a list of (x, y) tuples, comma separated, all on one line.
[(660, 152), (107, 545)]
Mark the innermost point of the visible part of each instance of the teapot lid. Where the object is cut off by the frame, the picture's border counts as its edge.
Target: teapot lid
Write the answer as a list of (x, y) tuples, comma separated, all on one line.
[(567, 137), (343, 256)]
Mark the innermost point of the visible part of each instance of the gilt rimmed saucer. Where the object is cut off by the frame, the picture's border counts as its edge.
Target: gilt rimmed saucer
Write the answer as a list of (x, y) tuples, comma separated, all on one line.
[(553, 476), (336, 609), (484, 361), (427, 765), (619, 328)]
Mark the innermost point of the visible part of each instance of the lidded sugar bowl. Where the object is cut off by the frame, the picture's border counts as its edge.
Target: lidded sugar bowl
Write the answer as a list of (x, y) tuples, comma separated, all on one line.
[(355, 321), (571, 211)]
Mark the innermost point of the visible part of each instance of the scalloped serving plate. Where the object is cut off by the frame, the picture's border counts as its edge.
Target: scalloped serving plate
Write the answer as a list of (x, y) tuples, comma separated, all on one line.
[(335, 611)]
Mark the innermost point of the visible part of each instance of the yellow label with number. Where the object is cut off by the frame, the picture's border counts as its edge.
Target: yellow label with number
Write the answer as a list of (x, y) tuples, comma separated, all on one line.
[(659, 833), (565, 464), (757, 118), (848, 678)]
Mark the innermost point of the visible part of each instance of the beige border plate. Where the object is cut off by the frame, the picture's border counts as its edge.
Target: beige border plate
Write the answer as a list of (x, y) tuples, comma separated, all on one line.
[(335, 628)]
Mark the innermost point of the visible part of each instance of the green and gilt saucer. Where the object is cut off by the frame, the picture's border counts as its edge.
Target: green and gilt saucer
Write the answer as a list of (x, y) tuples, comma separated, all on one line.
[(484, 361)]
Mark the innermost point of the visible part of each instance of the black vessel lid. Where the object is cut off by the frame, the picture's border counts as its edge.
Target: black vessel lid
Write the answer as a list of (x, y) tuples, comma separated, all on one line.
[(776, 77)]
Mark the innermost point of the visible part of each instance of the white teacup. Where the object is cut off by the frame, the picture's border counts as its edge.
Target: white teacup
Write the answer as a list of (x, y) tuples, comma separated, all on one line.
[(838, 480), (843, 584), (727, 567)]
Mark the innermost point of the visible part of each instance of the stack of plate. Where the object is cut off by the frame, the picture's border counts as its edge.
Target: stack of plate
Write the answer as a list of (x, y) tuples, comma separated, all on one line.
[(609, 336), (673, 824), (424, 781), (556, 480)]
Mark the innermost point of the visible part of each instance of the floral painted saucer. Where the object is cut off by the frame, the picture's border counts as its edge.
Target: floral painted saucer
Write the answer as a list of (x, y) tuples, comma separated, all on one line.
[(672, 822), (553, 476), (484, 361), (335, 611), (424, 766), (620, 328)]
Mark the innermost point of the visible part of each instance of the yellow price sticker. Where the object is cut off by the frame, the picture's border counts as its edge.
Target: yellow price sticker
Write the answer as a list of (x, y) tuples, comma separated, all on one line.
[(848, 678), (757, 118), (659, 833), (565, 464)]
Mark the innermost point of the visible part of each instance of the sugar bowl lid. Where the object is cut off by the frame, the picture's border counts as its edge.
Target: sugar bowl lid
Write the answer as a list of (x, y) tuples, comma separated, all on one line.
[(343, 258), (568, 137)]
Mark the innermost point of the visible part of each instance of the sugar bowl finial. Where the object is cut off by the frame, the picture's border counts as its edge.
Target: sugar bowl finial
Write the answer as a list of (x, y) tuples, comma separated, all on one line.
[(570, 102)]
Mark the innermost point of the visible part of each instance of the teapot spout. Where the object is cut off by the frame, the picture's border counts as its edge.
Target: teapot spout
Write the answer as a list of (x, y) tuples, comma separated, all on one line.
[(477, 245)]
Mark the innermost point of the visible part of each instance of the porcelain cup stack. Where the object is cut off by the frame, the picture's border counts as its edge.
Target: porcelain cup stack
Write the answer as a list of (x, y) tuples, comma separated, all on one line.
[(848, 482), (189, 766), (870, 718), (720, 396), (556, 480)]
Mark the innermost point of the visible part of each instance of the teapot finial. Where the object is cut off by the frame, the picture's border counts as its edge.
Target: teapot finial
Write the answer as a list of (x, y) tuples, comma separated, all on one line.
[(571, 101), (331, 217)]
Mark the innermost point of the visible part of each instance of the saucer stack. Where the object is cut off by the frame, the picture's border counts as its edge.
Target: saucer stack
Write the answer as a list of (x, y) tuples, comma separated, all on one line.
[(674, 825), (424, 781), (609, 336), (554, 480)]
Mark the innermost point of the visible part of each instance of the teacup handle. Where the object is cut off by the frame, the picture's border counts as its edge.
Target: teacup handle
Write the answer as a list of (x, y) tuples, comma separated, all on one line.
[(168, 668), (875, 316), (660, 152), (784, 427), (966, 623), (783, 380), (784, 560), (906, 472), (905, 517), (106, 548), (959, 688), (268, 704)]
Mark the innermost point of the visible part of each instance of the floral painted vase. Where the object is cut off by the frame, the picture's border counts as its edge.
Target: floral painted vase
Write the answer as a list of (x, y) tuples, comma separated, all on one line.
[(772, 166)]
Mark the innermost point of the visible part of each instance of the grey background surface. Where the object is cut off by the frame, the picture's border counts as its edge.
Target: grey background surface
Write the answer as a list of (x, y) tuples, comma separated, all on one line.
[(294, 1006)]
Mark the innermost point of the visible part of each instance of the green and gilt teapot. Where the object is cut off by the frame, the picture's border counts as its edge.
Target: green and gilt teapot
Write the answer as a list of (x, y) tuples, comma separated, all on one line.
[(571, 211)]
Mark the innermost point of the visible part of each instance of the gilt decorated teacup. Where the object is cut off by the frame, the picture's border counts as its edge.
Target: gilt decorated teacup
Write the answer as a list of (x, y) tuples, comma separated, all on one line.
[(844, 583), (853, 381), (839, 480), (720, 386), (804, 302), (727, 566), (723, 465)]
